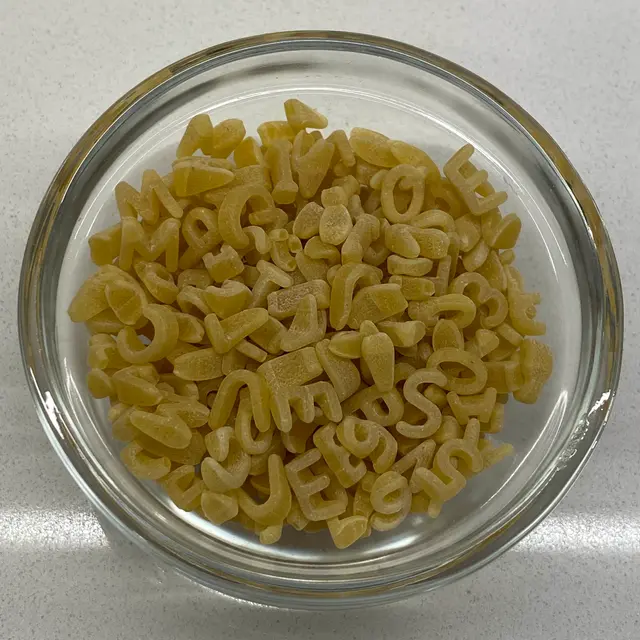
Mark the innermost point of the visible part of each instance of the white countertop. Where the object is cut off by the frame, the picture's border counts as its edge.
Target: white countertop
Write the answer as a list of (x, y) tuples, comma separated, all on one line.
[(574, 65)]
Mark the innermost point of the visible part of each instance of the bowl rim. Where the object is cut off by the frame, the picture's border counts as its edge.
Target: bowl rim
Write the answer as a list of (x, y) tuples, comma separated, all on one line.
[(522, 521)]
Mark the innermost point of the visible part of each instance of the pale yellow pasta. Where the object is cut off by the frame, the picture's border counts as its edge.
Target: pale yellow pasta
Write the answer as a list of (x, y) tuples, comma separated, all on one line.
[(282, 400), (317, 249), (227, 333), (103, 353), (184, 487), (467, 186), (281, 251), (251, 351), (274, 130), (228, 467), (347, 344), (225, 137), (399, 239), (198, 365), (259, 462), (196, 174), (522, 306), (226, 264), (268, 336), (251, 439), (159, 198), (447, 333), (228, 299), (283, 303), (142, 465), (469, 230), (297, 439), (375, 303), (492, 455), (348, 530), (413, 288), (418, 456), (193, 453), (137, 384), (378, 354), (446, 481), (233, 360), (536, 363), (302, 144), (433, 243), (278, 159), (337, 457), (435, 219), (231, 209), (169, 430), (415, 267), (201, 233), (302, 116), (505, 376), (359, 437), (105, 245), (295, 517), (306, 325), (270, 279), (343, 152), (384, 407), (335, 224), (390, 494), (366, 230), (269, 219), (131, 203), (126, 299), (100, 384), (432, 412), (429, 311), (312, 332), (408, 154), (197, 136), (344, 375), (411, 176), (218, 507), (372, 147), (478, 406), (307, 222), (226, 397), (165, 336), (403, 334), (275, 509), (468, 385), (185, 408), (367, 439), (91, 299), (309, 486), (312, 165), (344, 283), (248, 153), (310, 268), (307, 400), (158, 281)]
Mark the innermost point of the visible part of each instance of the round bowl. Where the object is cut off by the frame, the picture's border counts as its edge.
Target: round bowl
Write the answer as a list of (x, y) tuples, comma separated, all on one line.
[(564, 252)]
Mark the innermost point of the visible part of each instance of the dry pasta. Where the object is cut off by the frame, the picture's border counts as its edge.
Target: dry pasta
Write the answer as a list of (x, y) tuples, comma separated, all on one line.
[(321, 333)]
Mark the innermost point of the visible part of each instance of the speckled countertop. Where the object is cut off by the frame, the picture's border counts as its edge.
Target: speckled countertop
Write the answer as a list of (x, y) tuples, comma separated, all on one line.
[(575, 65)]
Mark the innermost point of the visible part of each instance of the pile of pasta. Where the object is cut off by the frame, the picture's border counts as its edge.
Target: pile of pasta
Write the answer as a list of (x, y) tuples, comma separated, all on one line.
[(322, 332)]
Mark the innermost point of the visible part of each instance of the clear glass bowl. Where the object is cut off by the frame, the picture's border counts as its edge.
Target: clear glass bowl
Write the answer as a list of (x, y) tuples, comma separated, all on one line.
[(408, 94)]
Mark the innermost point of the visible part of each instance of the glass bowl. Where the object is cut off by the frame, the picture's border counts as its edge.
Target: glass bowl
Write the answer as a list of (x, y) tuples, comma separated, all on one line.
[(408, 94)]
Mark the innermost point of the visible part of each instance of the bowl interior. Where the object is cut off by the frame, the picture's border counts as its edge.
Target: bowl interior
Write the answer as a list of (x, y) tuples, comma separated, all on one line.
[(429, 109)]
